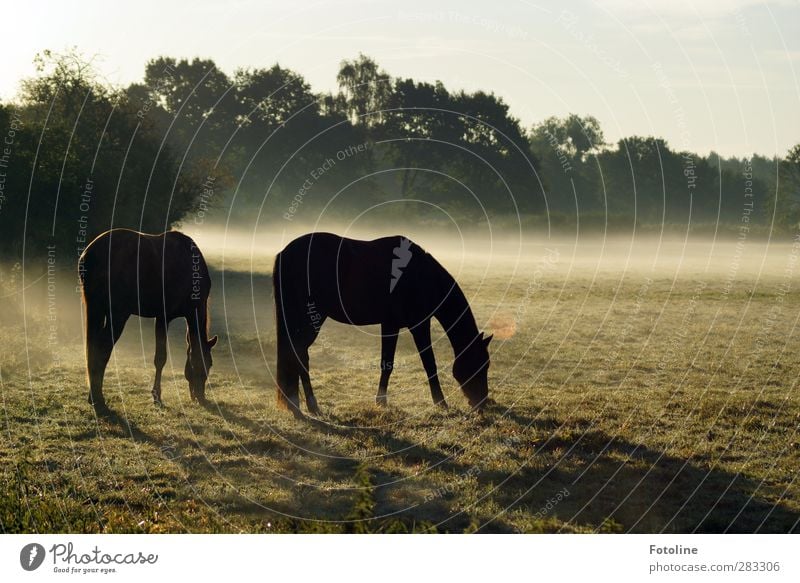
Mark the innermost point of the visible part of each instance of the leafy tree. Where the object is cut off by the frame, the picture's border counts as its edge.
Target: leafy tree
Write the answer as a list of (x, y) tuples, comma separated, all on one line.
[(419, 124), (507, 179), (200, 100), (82, 163), (285, 133), (575, 136), (366, 90), (567, 148), (787, 198)]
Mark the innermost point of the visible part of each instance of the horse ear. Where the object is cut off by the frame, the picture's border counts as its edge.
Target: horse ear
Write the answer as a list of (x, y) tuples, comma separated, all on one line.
[(487, 339), (212, 342)]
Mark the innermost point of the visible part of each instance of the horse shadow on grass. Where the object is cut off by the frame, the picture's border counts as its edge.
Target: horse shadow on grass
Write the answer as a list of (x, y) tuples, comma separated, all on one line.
[(232, 467), (611, 484), (581, 481), (588, 480)]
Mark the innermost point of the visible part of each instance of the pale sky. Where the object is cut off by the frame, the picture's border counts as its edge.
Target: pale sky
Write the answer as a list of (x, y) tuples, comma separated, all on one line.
[(707, 75)]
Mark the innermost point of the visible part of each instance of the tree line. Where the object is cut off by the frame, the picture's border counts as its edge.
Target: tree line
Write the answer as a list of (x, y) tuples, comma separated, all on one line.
[(192, 143)]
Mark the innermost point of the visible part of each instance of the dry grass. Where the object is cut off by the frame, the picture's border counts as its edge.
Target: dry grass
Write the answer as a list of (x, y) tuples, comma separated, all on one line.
[(626, 402)]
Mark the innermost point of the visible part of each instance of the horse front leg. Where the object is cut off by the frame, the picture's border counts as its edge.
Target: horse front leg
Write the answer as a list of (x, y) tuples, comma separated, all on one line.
[(422, 339), (160, 358), (388, 348)]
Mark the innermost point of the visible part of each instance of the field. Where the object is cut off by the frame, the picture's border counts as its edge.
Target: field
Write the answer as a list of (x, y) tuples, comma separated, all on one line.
[(640, 386)]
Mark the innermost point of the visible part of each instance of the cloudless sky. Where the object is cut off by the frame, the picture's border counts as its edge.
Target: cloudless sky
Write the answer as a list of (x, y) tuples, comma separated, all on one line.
[(707, 75)]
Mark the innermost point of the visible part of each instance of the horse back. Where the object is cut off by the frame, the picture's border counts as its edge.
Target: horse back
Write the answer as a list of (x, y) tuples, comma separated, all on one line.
[(360, 282), (143, 274)]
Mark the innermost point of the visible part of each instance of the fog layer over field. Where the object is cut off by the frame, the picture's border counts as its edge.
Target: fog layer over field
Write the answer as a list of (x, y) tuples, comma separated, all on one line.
[(507, 278)]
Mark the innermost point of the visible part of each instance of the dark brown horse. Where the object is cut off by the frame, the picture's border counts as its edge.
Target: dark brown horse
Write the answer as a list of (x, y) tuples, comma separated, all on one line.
[(125, 272), (390, 281)]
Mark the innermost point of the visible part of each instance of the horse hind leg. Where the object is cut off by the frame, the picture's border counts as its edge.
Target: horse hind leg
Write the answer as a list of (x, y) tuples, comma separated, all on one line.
[(102, 332), (305, 378), (160, 358), (97, 340)]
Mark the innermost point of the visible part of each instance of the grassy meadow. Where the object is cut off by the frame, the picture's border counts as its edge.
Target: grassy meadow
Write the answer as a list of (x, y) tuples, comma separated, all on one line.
[(640, 386)]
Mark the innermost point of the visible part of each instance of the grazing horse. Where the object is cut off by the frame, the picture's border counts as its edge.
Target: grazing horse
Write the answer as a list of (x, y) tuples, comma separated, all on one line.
[(389, 281), (164, 276)]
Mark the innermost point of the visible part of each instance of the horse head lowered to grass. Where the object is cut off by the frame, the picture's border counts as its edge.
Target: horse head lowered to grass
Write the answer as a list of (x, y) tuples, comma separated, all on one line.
[(389, 281), (164, 276)]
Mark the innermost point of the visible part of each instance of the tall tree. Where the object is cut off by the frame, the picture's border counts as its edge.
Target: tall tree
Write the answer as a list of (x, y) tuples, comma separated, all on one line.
[(567, 148), (419, 125), (83, 163), (366, 90)]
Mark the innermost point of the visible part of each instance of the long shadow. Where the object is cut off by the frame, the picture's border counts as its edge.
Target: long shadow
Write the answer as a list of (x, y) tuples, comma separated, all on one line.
[(603, 479), (219, 460), (126, 428), (610, 483), (639, 488)]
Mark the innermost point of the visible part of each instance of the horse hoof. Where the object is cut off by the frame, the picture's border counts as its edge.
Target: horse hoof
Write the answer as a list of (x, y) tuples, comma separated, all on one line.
[(442, 404), (101, 410), (158, 403), (381, 400)]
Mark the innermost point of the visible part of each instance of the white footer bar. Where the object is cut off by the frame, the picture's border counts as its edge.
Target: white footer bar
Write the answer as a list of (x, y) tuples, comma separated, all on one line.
[(406, 558)]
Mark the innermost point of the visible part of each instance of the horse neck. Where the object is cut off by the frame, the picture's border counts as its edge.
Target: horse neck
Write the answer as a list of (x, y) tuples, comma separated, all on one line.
[(455, 315)]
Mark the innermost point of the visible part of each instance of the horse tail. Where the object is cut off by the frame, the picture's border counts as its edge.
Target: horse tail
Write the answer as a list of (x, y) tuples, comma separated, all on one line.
[(94, 300), (85, 265), (89, 267), (286, 371)]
